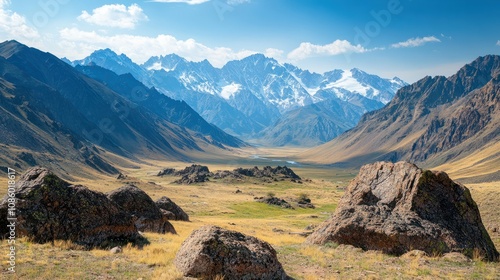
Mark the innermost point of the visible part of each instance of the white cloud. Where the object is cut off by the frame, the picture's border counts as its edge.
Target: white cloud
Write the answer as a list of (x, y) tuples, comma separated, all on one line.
[(307, 49), (13, 25), (190, 2), (415, 42), (498, 43), (76, 43), (115, 15), (274, 53)]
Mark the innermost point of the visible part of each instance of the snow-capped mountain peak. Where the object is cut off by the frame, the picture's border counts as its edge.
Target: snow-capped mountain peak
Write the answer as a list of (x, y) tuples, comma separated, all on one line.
[(167, 63), (257, 87), (348, 82)]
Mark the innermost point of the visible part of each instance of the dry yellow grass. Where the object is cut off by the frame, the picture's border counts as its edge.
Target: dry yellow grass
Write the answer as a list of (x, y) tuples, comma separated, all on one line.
[(478, 163), (217, 203)]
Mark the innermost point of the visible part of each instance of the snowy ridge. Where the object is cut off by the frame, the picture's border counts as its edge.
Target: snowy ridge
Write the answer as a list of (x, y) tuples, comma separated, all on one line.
[(257, 87)]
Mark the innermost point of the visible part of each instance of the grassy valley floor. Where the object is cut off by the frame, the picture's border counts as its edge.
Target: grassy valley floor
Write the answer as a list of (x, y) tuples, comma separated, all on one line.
[(217, 202)]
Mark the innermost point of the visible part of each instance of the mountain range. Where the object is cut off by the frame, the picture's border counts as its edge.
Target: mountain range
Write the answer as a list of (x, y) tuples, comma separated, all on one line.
[(434, 121), (87, 116), (54, 114), (257, 93)]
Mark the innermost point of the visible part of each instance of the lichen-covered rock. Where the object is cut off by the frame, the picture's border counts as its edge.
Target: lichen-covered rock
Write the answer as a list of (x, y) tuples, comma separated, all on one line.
[(167, 204), (49, 208), (212, 251), (138, 203), (398, 207)]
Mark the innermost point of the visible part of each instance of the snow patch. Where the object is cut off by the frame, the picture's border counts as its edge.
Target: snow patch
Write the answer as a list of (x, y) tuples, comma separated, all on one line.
[(155, 66), (159, 66), (348, 82), (230, 90), (311, 91)]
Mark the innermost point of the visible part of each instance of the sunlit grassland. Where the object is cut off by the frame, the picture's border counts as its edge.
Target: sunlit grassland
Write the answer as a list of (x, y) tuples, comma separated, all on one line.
[(217, 203)]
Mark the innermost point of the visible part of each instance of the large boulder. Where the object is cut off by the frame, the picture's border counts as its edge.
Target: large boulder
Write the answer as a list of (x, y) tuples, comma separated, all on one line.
[(398, 207), (168, 205), (211, 251), (49, 208), (137, 203)]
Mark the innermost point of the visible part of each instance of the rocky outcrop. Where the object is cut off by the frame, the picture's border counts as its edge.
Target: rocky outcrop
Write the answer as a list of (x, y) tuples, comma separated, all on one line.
[(274, 201), (398, 207), (268, 171), (165, 172), (212, 251), (193, 179), (199, 174), (305, 202), (280, 171), (221, 174), (168, 205), (137, 203), (49, 208), (193, 169), (193, 174)]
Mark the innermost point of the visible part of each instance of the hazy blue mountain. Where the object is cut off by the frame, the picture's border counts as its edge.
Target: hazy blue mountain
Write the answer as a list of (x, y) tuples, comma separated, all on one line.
[(246, 96), (316, 123), (177, 112), (120, 64)]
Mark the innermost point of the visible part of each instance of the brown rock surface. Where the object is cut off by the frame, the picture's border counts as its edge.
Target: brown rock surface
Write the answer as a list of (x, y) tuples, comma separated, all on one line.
[(398, 207), (49, 208), (193, 174), (136, 202), (167, 204), (210, 251), (193, 169)]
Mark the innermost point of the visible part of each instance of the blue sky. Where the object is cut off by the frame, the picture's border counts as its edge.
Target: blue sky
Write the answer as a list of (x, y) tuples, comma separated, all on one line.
[(404, 38)]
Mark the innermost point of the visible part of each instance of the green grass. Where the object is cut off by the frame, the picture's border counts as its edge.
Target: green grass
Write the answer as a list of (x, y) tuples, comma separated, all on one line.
[(258, 210)]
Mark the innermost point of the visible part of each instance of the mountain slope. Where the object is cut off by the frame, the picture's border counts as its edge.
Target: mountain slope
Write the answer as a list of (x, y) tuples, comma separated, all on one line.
[(347, 84), (314, 124), (432, 122), (60, 116), (120, 64), (246, 96), (177, 112)]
